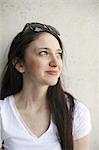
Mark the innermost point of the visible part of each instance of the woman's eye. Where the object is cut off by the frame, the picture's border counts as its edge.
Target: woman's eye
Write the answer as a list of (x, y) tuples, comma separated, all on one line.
[(59, 54), (43, 53)]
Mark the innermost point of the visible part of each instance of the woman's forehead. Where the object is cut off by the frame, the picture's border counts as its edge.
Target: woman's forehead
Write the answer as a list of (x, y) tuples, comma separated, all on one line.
[(45, 39)]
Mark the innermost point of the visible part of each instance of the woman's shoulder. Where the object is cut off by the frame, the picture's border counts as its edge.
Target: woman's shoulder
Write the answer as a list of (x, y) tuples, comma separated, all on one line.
[(5, 101), (82, 120), (80, 107)]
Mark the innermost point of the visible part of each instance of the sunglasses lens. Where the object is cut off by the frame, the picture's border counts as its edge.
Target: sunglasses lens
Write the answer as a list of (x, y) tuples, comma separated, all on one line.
[(53, 30), (37, 27)]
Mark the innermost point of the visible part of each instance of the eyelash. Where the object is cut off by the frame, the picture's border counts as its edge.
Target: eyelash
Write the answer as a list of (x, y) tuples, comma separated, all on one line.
[(45, 53), (60, 54)]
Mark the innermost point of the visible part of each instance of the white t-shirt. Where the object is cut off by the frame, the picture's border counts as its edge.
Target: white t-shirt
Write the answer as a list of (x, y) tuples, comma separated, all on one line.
[(17, 136)]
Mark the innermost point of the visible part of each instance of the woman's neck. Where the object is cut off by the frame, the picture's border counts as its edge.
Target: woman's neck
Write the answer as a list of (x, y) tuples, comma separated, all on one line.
[(32, 97)]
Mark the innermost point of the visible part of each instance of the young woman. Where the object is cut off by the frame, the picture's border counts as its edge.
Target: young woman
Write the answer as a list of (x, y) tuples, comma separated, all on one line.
[(36, 113)]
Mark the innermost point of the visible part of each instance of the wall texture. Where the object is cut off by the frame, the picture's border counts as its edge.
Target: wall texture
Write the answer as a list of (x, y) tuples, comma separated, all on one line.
[(77, 22)]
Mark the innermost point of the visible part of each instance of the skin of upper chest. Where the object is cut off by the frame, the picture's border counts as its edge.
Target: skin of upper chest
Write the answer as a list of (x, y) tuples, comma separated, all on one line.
[(38, 123)]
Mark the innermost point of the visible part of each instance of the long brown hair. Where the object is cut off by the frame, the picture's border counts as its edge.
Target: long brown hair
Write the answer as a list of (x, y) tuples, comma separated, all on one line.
[(61, 103)]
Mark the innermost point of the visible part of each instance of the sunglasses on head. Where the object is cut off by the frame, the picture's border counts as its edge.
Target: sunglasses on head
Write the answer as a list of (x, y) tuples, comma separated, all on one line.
[(38, 27)]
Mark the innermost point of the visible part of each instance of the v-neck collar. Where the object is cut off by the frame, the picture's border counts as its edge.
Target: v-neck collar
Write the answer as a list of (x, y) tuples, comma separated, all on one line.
[(24, 125)]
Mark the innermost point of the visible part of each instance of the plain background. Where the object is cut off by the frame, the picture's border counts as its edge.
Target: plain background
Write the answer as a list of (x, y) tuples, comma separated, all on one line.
[(77, 21)]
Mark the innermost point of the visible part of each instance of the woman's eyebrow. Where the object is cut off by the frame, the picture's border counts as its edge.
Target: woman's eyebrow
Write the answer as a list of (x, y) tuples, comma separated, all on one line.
[(50, 49)]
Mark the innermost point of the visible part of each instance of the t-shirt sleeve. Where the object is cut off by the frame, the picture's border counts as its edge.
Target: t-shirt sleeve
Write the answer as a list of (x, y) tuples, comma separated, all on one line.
[(0, 125), (82, 121)]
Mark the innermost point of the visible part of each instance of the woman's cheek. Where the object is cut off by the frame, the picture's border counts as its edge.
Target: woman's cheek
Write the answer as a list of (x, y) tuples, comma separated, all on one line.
[(35, 67)]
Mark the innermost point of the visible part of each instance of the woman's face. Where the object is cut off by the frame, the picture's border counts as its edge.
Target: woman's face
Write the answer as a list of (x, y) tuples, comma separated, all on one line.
[(43, 63)]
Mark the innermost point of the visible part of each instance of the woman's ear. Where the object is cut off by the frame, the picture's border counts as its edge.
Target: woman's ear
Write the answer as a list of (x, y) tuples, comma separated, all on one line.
[(19, 67), (18, 64)]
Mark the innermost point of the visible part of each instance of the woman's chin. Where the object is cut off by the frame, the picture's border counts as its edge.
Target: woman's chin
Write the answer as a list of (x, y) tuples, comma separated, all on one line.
[(53, 83)]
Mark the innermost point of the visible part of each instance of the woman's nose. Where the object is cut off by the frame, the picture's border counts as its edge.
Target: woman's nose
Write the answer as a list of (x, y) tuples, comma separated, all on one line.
[(53, 62)]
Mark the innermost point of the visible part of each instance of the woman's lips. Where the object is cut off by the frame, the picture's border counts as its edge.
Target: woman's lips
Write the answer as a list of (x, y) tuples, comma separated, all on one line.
[(54, 73)]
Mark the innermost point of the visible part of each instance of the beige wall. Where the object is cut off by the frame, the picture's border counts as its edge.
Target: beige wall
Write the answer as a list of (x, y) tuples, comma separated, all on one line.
[(77, 22)]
